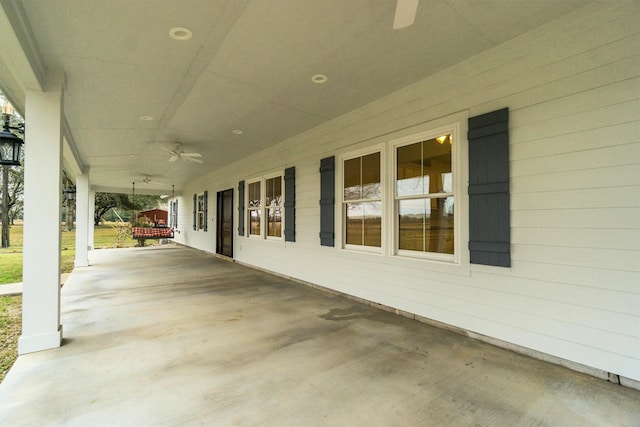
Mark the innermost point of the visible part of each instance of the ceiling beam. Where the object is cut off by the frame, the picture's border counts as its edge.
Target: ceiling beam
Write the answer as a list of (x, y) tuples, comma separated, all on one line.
[(19, 54)]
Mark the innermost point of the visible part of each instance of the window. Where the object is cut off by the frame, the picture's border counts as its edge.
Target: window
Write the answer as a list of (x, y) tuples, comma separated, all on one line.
[(265, 207), (362, 201), (273, 206), (398, 198), (201, 210), (254, 207), (424, 196), (173, 222)]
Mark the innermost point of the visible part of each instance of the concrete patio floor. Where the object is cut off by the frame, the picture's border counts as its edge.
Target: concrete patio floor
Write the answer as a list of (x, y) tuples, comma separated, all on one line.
[(172, 336)]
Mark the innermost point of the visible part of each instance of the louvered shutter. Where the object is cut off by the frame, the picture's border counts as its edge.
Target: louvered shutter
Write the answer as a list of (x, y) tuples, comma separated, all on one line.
[(489, 211), (327, 201), (290, 204), (206, 210), (241, 208), (195, 211)]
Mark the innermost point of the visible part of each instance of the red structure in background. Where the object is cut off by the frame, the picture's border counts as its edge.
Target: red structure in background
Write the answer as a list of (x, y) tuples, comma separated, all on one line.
[(159, 217)]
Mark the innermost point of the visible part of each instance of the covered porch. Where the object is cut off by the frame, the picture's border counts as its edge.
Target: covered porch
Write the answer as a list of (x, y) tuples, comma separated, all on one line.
[(174, 336)]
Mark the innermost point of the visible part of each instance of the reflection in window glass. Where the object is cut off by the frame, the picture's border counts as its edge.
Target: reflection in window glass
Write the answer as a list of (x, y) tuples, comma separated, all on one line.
[(274, 191), (254, 204), (424, 194), (273, 203), (254, 222), (363, 204), (371, 177), (426, 225), (201, 212), (352, 187), (274, 222)]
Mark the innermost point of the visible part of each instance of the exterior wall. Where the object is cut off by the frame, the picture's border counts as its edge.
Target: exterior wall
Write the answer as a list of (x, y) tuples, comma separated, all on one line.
[(573, 291)]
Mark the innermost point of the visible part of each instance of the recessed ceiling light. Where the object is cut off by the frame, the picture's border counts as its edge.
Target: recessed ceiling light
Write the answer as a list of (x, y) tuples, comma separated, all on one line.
[(319, 78), (236, 132), (179, 33), (146, 118)]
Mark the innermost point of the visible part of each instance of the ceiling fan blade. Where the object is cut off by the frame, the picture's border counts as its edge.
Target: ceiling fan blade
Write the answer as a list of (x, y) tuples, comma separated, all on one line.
[(174, 157), (405, 13), (191, 154), (193, 159)]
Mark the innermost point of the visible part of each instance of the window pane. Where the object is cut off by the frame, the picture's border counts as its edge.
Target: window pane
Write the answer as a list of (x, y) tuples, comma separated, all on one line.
[(274, 224), (439, 226), (372, 224), (371, 176), (436, 162), (200, 220), (355, 215), (352, 188), (411, 218), (254, 195), (254, 222), (274, 191), (364, 224), (426, 225), (409, 170)]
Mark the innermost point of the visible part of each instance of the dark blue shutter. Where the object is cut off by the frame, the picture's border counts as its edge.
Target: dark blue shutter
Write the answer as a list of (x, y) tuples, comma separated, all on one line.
[(195, 211), (241, 208), (206, 210), (327, 201), (489, 212), (290, 204)]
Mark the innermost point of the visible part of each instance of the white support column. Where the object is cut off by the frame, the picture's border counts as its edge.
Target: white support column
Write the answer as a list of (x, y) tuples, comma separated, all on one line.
[(82, 221), (92, 214), (41, 328)]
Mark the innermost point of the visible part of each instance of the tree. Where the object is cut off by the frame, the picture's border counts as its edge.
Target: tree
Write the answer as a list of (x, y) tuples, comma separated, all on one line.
[(107, 201), (11, 185), (16, 192)]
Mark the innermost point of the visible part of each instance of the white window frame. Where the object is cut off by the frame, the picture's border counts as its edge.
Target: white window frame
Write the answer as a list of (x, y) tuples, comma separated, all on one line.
[(200, 220), (263, 209), (341, 228), (249, 209), (455, 131)]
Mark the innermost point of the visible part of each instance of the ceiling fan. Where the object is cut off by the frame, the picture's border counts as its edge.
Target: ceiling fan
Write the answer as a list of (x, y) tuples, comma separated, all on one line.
[(178, 153), (148, 179), (405, 13)]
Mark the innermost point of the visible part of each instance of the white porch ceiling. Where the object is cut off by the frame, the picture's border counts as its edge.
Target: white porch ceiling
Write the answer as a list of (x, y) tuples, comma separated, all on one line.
[(248, 66)]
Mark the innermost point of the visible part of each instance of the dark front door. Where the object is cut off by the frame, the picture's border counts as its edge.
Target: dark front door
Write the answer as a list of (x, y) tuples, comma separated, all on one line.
[(224, 234)]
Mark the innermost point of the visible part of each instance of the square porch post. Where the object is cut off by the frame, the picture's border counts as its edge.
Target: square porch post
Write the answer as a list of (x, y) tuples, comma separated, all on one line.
[(82, 220), (92, 213), (41, 327)]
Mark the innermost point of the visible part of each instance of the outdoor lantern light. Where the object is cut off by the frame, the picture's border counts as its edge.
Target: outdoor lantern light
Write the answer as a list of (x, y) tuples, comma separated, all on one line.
[(9, 143), (70, 192)]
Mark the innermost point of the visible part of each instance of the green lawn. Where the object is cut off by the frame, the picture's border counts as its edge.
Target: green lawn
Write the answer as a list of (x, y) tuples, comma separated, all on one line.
[(10, 328), (105, 236)]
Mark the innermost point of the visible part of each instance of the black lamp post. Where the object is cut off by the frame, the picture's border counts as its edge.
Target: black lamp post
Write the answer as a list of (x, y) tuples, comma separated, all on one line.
[(10, 144)]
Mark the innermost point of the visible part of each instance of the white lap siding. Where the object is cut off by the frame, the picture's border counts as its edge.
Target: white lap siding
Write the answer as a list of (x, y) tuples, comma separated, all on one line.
[(573, 291)]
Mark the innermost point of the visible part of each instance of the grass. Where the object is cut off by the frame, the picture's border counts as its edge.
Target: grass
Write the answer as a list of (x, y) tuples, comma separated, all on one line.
[(105, 236), (10, 328)]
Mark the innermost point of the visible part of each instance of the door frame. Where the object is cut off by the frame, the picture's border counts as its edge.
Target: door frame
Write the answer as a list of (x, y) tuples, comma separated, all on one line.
[(219, 221)]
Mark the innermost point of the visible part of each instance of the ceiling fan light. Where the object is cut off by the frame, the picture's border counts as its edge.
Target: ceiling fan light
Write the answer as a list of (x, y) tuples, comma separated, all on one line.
[(319, 78), (180, 34)]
